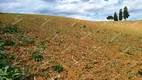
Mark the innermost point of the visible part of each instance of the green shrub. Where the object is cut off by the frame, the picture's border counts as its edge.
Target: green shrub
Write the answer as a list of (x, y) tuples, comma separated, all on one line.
[(9, 72), (58, 68), (84, 26), (9, 43), (2, 45), (2, 56), (36, 55), (29, 40), (17, 59), (139, 72), (25, 40), (43, 47), (52, 60), (10, 29), (12, 56), (0, 22), (130, 53)]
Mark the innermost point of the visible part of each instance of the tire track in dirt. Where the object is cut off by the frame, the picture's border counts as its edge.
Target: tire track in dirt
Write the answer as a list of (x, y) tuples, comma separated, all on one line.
[(17, 21), (45, 22)]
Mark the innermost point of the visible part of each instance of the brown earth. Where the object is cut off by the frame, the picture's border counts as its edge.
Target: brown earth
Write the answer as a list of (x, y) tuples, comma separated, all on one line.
[(87, 50)]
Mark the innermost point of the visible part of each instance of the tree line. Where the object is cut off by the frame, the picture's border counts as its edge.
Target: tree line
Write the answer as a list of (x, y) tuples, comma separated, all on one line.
[(122, 15)]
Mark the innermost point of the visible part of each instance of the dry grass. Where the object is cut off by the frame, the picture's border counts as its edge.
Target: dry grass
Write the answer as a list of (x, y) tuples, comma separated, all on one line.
[(99, 51)]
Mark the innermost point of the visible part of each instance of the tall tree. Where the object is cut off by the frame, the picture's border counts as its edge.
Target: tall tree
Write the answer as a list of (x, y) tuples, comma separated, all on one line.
[(120, 15), (125, 13), (115, 17)]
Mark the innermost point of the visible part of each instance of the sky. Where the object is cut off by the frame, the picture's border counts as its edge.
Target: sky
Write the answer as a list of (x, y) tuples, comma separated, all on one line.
[(94, 10)]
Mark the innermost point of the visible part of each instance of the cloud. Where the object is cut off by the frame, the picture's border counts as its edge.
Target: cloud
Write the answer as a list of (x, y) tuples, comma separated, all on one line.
[(95, 10), (49, 1), (7, 1)]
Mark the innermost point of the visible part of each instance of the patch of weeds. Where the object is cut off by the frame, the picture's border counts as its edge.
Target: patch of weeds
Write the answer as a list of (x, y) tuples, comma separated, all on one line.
[(29, 40), (12, 56), (94, 70), (46, 75), (58, 68), (2, 13), (43, 47), (52, 60), (2, 45), (105, 70), (139, 72), (93, 49), (17, 59), (121, 49), (36, 55), (2, 56), (26, 74), (138, 63), (97, 31), (25, 40), (113, 64), (88, 66), (9, 72), (10, 29), (58, 31), (0, 22), (42, 42), (140, 39), (130, 76), (60, 40), (95, 60), (9, 43), (128, 52), (84, 26)]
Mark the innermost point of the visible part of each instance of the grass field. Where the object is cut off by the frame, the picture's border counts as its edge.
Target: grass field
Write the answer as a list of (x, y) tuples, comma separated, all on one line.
[(44, 47)]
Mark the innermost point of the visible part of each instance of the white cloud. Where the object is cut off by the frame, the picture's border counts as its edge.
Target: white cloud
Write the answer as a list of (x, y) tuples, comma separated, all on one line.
[(83, 9)]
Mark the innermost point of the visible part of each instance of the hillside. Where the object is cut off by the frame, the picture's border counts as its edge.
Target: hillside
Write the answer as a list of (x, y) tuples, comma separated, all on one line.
[(59, 48)]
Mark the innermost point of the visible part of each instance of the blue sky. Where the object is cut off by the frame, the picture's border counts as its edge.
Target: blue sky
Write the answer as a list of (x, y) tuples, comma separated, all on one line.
[(95, 10)]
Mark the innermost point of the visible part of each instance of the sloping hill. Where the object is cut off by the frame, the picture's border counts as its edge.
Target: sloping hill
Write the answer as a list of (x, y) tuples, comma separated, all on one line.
[(51, 47)]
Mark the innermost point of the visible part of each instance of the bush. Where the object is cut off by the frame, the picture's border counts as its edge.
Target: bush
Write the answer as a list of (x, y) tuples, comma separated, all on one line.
[(0, 22), (29, 40), (110, 18), (2, 45), (9, 43), (2, 56), (36, 55), (6, 43), (43, 47), (84, 26), (58, 68), (12, 56), (9, 72), (139, 72), (10, 29)]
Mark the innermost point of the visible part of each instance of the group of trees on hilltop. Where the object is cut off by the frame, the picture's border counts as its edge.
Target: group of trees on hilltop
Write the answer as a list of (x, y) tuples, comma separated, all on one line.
[(124, 14)]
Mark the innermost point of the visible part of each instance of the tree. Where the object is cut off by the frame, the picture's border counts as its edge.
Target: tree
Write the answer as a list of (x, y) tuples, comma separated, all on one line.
[(110, 18), (125, 13), (115, 17), (120, 15)]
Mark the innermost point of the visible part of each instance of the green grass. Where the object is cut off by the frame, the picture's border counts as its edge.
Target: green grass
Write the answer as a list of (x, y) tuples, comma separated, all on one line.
[(2, 56), (9, 29), (9, 43), (139, 72), (58, 68), (37, 56)]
